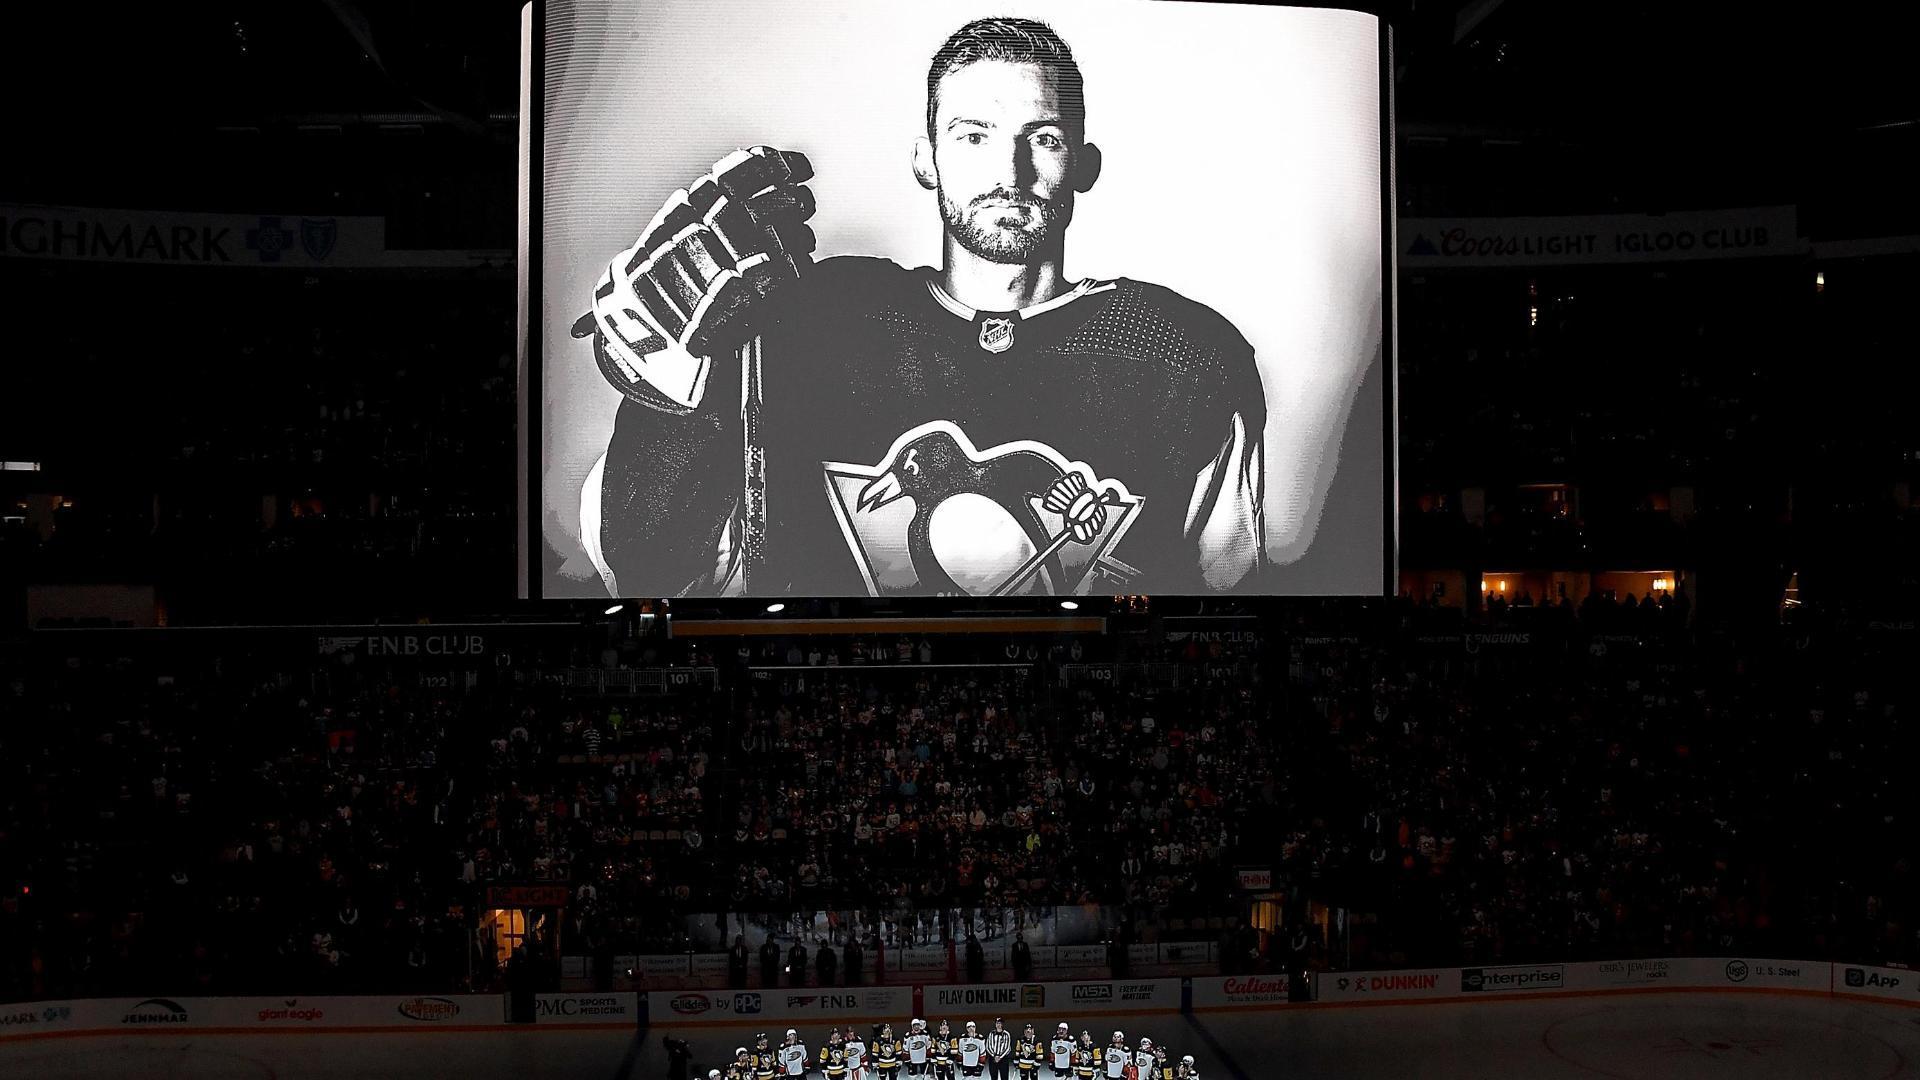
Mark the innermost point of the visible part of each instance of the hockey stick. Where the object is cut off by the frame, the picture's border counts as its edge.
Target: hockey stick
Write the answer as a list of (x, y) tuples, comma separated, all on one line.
[(754, 457), (1028, 568)]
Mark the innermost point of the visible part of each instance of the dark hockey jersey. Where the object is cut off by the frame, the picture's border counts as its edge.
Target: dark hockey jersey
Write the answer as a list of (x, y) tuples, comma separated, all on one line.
[(1106, 441)]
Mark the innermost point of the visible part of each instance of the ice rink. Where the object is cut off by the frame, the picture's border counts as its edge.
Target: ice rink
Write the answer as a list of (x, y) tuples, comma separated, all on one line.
[(1635, 1037)]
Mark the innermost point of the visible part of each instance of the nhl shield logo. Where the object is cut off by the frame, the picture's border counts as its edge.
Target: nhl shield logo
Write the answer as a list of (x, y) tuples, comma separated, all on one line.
[(996, 335), (317, 236), (938, 516)]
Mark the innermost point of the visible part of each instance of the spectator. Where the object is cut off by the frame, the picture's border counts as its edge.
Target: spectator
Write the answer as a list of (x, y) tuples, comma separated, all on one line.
[(770, 963), (826, 964), (1298, 946), (737, 963), (797, 964), (851, 960)]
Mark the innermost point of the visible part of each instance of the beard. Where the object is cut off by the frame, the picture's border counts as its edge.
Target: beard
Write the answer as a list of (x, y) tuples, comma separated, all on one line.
[(1004, 234)]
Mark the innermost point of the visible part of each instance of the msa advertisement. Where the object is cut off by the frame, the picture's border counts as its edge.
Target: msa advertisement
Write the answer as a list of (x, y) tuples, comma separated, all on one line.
[(915, 302)]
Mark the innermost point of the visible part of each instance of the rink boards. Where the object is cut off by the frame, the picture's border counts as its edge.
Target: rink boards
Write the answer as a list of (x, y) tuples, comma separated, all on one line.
[(1044, 1003)]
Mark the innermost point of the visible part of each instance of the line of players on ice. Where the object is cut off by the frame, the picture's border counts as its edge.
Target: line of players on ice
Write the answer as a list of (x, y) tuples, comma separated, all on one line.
[(848, 1057)]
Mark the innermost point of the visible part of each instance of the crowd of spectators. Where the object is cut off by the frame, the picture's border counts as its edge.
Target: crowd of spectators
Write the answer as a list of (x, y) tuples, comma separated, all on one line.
[(321, 431), (983, 789), (1620, 793), (230, 825), (1426, 789)]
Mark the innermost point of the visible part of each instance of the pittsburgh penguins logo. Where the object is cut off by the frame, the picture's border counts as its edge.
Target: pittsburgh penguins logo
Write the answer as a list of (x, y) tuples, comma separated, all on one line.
[(938, 516)]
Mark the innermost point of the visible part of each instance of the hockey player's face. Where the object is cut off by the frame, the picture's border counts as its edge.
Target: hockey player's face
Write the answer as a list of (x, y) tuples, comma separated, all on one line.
[(1004, 158)]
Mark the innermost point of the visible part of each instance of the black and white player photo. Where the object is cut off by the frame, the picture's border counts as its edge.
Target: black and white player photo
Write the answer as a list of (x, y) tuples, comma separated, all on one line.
[(814, 329)]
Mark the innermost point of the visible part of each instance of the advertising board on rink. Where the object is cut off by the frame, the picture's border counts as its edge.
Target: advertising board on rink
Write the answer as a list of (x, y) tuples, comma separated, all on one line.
[(1738, 972), (772, 1003), (1389, 985), (612, 1008), (1892, 984), (1125, 995), (1080, 956), (1621, 974), (669, 965), (1188, 952), (1240, 991), (709, 965), (1513, 979), (924, 959)]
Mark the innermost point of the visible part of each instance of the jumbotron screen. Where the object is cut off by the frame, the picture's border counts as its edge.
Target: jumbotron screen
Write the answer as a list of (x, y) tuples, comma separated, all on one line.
[(956, 298)]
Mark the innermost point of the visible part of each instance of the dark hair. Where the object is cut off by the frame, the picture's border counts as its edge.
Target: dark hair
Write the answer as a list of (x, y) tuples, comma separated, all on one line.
[(1015, 41)]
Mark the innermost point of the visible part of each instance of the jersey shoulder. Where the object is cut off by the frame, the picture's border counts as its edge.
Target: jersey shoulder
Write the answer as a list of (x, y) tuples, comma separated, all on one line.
[(857, 275), (1164, 324), (843, 287), (1191, 341)]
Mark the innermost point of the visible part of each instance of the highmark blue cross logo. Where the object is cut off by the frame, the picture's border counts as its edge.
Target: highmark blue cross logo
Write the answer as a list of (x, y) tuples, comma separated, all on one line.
[(269, 239)]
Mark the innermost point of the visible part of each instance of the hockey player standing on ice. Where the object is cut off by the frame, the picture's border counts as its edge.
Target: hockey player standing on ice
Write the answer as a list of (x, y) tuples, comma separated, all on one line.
[(918, 1047), (990, 427), (833, 1056), (856, 1055), (742, 1067), (943, 1051), (1188, 1070), (1027, 1054), (973, 1052), (1143, 1059), (765, 1062), (1060, 1052), (999, 1049), (885, 1052), (1086, 1057), (793, 1055), (1116, 1057)]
